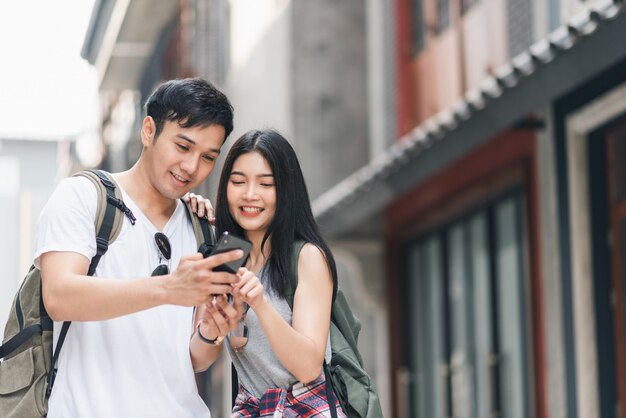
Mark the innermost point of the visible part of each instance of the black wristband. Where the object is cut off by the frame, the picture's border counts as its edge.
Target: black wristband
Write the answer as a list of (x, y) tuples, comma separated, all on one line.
[(216, 341)]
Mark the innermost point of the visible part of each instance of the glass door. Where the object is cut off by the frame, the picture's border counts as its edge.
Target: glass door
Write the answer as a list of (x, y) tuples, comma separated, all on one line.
[(427, 331), (467, 317)]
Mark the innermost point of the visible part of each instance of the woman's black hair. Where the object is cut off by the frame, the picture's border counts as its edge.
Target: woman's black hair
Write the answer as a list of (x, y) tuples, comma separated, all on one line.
[(293, 219)]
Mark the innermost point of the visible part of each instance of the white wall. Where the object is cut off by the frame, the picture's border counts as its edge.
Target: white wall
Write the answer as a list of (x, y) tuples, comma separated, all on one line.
[(29, 171), (9, 201), (259, 80), (258, 83)]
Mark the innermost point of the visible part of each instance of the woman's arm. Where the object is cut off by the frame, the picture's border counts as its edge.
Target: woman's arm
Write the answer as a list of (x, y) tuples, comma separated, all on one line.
[(300, 347)]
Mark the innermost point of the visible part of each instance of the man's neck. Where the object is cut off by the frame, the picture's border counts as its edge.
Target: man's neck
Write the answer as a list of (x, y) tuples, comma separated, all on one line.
[(156, 207)]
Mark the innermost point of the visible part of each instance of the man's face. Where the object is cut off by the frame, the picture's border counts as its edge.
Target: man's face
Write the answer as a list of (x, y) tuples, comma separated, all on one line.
[(180, 158)]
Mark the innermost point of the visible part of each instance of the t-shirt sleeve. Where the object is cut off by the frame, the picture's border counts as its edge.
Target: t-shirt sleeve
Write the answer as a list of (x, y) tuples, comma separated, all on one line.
[(66, 222)]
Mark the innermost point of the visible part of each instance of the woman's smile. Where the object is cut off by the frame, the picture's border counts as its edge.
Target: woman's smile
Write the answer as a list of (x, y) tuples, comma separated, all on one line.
[(250, 211)]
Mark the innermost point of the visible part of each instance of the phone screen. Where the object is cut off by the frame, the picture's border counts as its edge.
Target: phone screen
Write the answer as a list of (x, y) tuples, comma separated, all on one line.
[(228, 242)]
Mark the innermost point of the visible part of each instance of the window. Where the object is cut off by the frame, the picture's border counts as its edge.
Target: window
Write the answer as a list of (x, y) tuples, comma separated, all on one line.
[(443, 15), (467, 4), (519, 23), (467, 316), (417, 25)]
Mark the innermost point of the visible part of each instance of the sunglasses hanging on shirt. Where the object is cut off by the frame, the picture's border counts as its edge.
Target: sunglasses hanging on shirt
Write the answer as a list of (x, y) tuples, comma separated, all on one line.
[(165, 252)]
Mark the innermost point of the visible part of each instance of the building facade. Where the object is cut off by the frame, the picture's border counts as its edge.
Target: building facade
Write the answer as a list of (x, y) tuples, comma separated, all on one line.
[(500, 206), (463, 157)]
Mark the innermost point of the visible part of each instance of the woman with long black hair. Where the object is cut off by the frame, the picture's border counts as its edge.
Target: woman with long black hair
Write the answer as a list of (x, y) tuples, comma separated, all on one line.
[(279, 352)]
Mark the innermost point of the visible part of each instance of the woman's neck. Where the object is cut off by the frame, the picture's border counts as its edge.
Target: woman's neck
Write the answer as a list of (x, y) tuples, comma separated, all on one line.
[(258, 255)]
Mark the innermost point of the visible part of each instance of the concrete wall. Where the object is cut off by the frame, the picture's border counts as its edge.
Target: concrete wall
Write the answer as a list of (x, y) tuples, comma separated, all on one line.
[(310, 84), (329, 89), (381, 73), (258, 83), (360, 271)]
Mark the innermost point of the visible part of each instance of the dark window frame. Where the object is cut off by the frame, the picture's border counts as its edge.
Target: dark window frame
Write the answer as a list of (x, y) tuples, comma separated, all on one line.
[(417, 26), (486, 206), (466, 5), (444, 15)]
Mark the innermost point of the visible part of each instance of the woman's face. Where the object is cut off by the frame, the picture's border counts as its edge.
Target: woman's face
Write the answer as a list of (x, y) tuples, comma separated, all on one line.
[(251, 192)]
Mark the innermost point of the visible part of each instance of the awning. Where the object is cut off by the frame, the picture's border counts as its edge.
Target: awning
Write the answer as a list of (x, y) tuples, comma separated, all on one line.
[(575, 52), (122, 37)]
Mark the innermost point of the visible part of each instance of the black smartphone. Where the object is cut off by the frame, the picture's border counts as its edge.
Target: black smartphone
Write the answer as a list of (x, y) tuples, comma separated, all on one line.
[(228, 242)]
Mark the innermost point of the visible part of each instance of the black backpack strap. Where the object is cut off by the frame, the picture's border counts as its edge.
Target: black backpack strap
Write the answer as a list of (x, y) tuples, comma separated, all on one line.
[(19, 339), (234, 383), (111, 208), (24, 334), (330, 392), (109, 214), (55, 357)]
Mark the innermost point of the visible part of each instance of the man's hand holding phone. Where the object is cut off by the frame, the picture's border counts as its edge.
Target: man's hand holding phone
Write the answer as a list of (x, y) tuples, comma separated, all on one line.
[(228, 242), (194, 281)]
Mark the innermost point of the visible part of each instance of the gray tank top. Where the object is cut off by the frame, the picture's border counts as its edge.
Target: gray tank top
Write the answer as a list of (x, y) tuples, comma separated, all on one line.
[(257, 366)]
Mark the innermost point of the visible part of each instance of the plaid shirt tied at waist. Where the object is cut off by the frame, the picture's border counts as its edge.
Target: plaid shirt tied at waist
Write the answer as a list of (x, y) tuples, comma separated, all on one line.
[(301, 401)]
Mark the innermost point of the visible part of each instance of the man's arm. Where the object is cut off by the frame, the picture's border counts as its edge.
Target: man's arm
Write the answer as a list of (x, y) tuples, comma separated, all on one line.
[(70, 295), (214, 320)]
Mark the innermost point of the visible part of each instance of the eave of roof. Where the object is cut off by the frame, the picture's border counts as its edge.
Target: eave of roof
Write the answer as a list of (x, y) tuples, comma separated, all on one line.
[(576, 51), (122, 36)]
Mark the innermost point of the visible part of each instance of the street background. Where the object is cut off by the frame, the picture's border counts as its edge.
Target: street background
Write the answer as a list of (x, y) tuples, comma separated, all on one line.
[(48, 102), (465, 159)]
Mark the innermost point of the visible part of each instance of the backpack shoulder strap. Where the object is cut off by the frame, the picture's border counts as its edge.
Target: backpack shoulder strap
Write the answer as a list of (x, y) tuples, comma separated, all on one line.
[(347, 323), (204, 231), (109, 215)]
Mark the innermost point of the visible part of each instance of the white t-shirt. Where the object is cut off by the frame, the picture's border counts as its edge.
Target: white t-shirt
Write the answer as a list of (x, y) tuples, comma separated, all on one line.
[(132, 366)]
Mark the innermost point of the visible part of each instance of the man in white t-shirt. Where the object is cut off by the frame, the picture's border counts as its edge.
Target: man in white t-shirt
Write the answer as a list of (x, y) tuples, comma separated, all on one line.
[(131, 347)]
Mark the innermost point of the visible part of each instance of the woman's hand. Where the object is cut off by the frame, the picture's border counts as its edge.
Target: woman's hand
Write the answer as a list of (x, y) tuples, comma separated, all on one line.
[(249, 288), (200, 206), (218, 317)]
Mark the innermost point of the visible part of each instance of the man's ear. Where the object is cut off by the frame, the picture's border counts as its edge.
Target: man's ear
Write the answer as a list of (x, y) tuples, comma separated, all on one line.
[(148, 130)]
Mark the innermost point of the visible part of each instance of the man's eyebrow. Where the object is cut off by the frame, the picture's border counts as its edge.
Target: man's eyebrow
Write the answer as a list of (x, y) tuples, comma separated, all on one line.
[(186, 138), (191, 141), (240, 173)]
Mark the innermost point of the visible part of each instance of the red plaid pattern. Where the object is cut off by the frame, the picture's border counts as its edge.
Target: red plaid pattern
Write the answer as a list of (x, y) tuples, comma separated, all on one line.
[(301, 401)]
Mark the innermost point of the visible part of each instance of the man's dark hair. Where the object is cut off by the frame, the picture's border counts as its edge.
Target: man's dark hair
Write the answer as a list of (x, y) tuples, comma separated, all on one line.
[(189, 102), (293, 219)]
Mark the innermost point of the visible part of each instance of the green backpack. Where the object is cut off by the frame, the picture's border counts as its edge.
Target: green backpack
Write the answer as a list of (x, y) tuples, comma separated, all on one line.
[(27, 363), (348, 379)]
